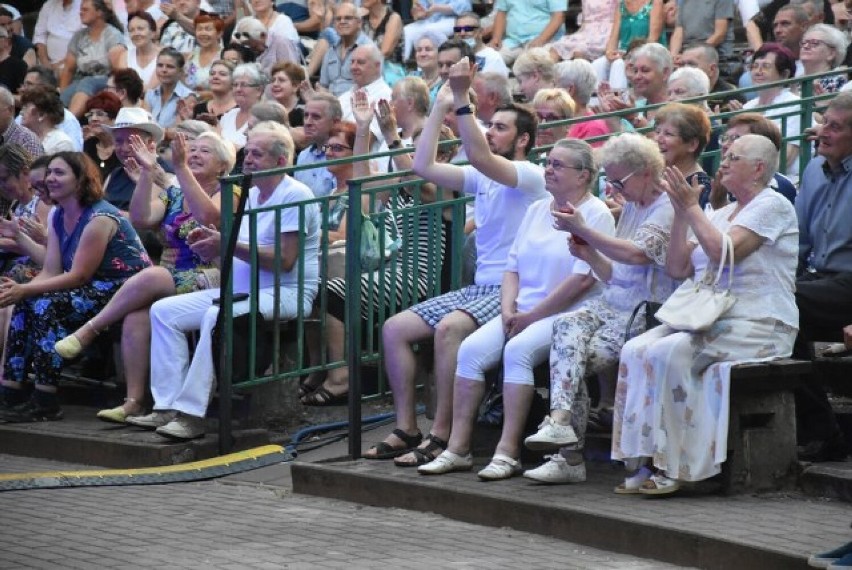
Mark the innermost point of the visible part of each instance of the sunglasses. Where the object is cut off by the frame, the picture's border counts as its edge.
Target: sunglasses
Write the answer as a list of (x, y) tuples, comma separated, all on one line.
[(460, 29), (619, 184)]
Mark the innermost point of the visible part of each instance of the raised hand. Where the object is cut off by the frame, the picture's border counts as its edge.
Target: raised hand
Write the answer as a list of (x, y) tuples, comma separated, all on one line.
[(306, 90), (461, 77), (387, 119), (141, 153), (444, 98), (361, 108), (178, 146), (131, 167)]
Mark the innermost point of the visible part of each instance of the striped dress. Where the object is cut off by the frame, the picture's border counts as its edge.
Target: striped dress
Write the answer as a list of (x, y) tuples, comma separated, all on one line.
[(413, 274)]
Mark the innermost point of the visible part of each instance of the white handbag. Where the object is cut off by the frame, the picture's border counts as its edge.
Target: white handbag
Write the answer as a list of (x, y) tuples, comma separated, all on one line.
[(695, 306)]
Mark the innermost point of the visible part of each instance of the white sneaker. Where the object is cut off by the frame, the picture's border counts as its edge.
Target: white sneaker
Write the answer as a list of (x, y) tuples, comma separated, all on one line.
[(557, 471), (501, 467), (155, 419), (550, 436), (447, 462), (183, 427)]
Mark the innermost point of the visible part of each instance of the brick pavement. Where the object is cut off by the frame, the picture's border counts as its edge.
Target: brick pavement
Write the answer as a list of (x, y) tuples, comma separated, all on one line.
[(243, 522)]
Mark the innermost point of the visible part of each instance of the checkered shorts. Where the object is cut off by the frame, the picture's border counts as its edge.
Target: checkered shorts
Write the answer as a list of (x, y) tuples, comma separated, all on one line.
[(481, 302)]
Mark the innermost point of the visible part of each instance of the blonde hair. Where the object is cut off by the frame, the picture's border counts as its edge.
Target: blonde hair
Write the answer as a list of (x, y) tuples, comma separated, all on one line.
[(559, 97)]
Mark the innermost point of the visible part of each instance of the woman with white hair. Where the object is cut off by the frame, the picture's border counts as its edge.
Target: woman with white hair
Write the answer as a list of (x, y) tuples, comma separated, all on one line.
[(823, 48), (652, 66), (630, 264), (248, 83), (634, 19), (194, 200), (426, 57), (436, 16), (534, 69), (672, 400), (688, 82)]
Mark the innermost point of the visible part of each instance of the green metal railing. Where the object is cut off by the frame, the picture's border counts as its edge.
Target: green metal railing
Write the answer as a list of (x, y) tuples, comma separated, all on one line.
[(365, 349)]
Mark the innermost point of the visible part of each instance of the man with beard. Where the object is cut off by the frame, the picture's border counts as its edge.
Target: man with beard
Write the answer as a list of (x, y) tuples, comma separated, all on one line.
[(504, 184)]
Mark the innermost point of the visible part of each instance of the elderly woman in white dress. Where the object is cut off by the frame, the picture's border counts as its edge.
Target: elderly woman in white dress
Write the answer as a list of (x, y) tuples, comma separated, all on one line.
[(671, 405)]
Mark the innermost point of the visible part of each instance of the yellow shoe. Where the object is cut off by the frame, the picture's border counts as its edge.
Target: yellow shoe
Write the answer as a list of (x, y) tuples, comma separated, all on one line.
[(115, 415), (68, 348)]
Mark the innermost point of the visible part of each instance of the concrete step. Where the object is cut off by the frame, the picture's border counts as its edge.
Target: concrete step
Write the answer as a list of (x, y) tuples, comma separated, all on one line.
[(81, 438), (696, 528)]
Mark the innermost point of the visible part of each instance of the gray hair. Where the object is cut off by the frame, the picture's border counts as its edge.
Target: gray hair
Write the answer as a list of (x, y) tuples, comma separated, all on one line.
[(333, 104), (375, 53), (270, 111), (842, 102), (223, 150), (634, 151), (585, 156), (193, 128), (470, 16), (415, 88), (6, 97), (708, 52), (434, 36), (763, 150), (496, 83), (658, 54), (253, 72), (696, 81), (282, 144), (834, 38), (535, 60), (251, 25), (580, 74)]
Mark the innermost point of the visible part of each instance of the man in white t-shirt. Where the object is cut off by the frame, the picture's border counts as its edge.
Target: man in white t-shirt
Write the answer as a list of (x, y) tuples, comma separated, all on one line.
[(504, 184), (181, 386)]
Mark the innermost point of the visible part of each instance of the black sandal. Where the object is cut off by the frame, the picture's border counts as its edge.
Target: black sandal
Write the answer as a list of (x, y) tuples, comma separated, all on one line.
[(423, 455), (384, 450), (322, 397)]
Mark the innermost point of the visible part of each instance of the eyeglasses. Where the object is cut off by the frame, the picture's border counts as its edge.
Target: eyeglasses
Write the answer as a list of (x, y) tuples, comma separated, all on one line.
[(619, 184), (728, 138), (335, 148), (557, 165), (460, 29), (762, 66), (241, 85), (813, 43), (731, 157), (548, 118), (345, 18)]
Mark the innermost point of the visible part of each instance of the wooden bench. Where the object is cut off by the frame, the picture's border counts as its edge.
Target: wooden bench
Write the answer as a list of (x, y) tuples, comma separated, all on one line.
[(762, 425)]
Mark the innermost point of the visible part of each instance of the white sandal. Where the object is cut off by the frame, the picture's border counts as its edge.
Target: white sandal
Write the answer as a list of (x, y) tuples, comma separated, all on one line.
[(447, 462), (501, 467), (659, 484), (633, 483)]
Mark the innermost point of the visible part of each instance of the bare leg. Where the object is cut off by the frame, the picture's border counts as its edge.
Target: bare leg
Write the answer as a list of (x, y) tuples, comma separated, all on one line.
[(140, 291), (337, 382), (136, 355), (317, 56), (78, 104), (517, 399), (466, 397), (315, 358), (398, 334)]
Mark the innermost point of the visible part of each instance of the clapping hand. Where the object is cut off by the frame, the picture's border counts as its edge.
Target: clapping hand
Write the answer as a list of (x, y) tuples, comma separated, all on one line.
[(681, 194), (387, 120), (34, 229), (143, 156), (205, 242), (11, 293), (568, 219), (306, 90), (444, 98), (178, 146)]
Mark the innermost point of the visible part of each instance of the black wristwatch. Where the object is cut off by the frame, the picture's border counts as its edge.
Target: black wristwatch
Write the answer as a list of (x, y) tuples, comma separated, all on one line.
[(465, 110)]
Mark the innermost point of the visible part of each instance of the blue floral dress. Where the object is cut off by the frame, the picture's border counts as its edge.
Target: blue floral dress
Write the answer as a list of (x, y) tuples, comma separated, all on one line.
[(39, 321)]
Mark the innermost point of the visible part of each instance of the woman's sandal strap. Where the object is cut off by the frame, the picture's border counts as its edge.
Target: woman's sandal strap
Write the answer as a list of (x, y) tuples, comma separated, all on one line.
[(384, 450)]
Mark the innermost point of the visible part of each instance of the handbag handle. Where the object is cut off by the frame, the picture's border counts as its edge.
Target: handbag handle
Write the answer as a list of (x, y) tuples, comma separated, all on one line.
[(727, 252)]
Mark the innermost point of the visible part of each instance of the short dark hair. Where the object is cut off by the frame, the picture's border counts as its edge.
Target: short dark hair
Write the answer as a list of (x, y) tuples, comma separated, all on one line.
[(174, 54), (526, 122), (455, 43), (46, 100), (347, 129), (46, 76), (14, 157), (89, 186), (129, 80), (142, 15)]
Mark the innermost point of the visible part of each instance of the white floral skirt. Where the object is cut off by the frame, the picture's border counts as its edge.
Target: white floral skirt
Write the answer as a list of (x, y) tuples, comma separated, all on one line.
[(672, 399)]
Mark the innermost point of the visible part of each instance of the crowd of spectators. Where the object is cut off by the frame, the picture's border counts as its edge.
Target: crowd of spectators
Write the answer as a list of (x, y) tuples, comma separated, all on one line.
[(117, 125)]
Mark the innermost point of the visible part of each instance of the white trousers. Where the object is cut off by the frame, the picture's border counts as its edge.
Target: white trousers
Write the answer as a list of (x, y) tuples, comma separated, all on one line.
[(178, 383), (482, 350), (414, 31), (612, 72)]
